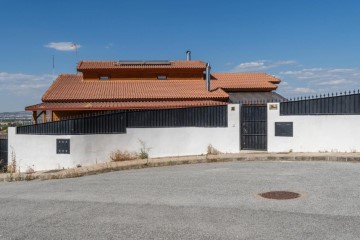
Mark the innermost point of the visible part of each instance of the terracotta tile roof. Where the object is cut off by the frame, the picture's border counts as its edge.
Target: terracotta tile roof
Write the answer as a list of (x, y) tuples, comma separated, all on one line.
[(81, 106), (71, 88), (89, 65), (244, 81), (246, 77)]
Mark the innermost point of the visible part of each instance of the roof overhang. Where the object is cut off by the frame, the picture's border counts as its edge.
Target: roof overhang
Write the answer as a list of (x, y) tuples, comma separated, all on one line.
[(101, 106)]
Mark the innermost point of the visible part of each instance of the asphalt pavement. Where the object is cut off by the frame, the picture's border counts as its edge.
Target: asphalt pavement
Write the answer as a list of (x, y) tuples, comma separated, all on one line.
[(198, 201)]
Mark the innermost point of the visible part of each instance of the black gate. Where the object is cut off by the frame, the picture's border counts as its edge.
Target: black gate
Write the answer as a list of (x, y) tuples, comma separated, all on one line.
[(253, 128), (3, 154)]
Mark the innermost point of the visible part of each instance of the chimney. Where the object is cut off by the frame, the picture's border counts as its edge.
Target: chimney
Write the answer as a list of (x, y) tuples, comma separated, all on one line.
[(208, 77), (188, 55)]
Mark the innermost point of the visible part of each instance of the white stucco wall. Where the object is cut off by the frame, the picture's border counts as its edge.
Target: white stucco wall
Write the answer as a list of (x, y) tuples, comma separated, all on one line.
[(315, 133), (39, 151)]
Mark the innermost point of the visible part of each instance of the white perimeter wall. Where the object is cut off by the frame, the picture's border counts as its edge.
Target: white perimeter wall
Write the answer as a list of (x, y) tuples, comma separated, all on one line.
[(315, 133), (39, 151)]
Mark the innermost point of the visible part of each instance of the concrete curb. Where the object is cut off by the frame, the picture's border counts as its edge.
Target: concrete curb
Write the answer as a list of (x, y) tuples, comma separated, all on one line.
[(170, 161)]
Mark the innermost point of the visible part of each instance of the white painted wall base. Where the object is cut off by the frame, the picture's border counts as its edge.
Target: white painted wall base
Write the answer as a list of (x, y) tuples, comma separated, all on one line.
[(39, 151), (315, 133)]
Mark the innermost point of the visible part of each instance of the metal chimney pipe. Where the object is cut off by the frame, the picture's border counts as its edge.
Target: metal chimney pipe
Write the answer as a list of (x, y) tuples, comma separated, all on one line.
[(188, 55), (208, 77)]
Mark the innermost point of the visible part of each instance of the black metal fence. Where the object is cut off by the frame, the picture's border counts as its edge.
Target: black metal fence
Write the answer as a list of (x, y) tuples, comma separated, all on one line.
[(3, 154), (342, 104), (110, 123), (183, 117), (118, 122)]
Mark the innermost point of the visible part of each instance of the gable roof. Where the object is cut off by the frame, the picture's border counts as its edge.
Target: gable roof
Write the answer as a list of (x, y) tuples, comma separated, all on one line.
[(244, 81), (72, 88), (73, 92), (248, 77), (111, 65)]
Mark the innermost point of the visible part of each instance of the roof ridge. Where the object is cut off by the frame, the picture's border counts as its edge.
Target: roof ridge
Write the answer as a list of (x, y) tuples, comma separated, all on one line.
[(116, 60), (241, 73)]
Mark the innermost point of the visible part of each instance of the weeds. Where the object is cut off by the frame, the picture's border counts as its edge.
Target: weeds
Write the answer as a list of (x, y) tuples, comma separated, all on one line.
[(11, 169), (118, 156), (144, 150), (29, 174), (212, 151)]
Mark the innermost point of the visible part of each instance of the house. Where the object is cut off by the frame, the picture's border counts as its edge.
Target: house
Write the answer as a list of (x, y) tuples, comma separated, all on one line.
[(176, 108), (103, 86)]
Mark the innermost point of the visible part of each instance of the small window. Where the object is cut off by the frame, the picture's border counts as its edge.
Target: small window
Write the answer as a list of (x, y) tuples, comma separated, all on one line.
[(161, 77), (104, 78)]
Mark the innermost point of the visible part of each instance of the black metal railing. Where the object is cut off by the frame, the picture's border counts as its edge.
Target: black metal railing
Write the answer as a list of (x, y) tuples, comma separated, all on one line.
[(110, 123), (215, 116), (117, 122), (257, 102), (334, 104)]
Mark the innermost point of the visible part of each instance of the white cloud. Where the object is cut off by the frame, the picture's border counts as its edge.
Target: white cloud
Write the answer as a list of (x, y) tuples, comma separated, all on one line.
[(302, 90), (341, 70), (63, 46), (109, 45), (319, 80), (335, 82), (322, 73), (25, 84), (261, 65)]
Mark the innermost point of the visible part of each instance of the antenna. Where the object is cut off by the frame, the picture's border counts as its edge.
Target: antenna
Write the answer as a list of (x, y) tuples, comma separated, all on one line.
[(76, 52), (53, 65)]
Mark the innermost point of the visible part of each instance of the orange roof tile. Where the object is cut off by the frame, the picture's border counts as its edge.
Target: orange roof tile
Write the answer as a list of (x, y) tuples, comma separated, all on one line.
[(244, 81), (72, 88), (89, 65), (81, 106)]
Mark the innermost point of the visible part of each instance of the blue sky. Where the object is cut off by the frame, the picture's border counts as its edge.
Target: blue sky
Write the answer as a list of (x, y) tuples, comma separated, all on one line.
[(312, 46)]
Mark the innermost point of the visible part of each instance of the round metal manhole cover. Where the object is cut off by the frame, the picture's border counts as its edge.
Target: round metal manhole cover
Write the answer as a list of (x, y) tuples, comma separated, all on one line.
[(280, 195)]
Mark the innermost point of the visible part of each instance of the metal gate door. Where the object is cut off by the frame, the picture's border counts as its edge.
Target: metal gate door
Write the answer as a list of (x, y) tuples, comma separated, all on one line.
[(253, 128), (3, 154)]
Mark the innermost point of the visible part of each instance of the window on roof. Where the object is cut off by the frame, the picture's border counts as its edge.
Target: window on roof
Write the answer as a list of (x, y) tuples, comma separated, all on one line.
[(161, 77), (104, 78)]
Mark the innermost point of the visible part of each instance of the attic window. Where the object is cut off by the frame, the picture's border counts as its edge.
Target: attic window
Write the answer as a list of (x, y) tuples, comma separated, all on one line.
[(104, 78), (161, 77)]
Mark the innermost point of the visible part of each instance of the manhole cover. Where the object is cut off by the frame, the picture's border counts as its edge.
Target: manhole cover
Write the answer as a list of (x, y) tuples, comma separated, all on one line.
[(280, 195)]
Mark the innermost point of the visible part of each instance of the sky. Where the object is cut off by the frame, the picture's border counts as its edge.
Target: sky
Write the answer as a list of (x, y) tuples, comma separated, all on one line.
[(312, 46)]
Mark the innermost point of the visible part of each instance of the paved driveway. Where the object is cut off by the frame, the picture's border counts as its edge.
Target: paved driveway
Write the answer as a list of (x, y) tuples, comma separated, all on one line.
[(203, 201)]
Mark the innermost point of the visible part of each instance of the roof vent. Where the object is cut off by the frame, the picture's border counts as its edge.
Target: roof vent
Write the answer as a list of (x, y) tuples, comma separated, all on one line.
[(188, 55)]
